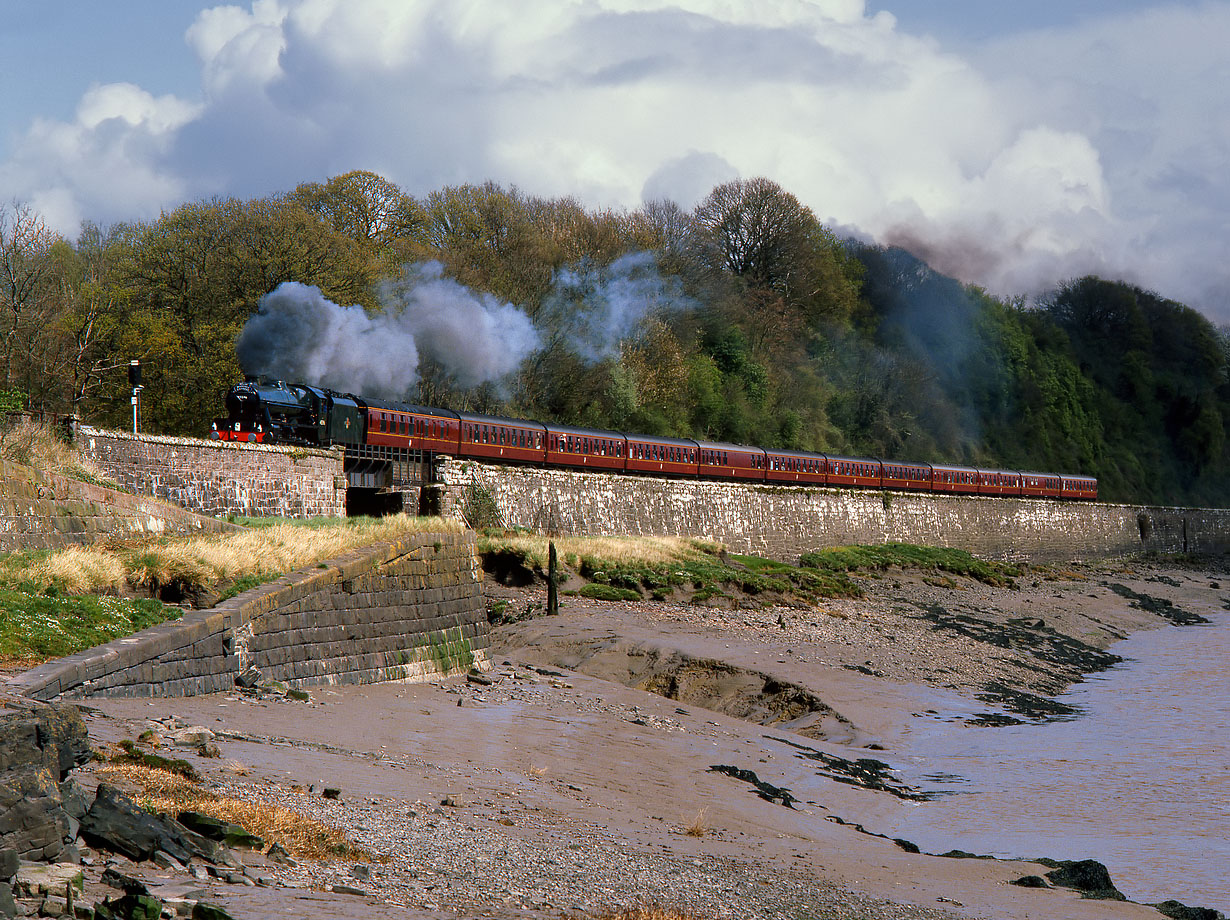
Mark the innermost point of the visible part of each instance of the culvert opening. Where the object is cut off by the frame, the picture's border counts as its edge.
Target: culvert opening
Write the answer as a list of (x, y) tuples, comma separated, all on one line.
[(508, 568)]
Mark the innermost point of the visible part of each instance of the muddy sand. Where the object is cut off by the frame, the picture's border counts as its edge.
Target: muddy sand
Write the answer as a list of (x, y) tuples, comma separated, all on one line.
[(711, 760)]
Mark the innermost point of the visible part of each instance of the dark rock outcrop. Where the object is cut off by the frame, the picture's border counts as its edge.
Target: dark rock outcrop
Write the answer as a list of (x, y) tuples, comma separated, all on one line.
[(1176, 910), (1088, 876), (39, 744), (115, 823)]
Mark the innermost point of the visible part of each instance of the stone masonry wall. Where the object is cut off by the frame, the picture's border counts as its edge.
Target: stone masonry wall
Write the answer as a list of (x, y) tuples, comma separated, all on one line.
[(409, 610), (222, 477), (47, 511), (783, 522)]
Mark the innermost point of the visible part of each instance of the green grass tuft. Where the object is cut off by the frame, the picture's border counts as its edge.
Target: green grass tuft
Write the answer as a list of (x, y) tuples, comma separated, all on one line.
[(841, 559), (600, 592), (130, 755), (248, 582)]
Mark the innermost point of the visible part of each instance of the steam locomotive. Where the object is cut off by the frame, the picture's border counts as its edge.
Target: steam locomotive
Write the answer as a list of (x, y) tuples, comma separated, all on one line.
[(375, 432)]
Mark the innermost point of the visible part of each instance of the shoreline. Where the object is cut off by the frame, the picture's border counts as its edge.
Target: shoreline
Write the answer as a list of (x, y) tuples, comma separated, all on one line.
[(572, 790)]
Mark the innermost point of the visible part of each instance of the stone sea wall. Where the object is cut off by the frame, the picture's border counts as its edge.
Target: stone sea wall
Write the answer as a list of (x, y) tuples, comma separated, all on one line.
[(47, 511), (221, 477), (410, 610), (782, 522)]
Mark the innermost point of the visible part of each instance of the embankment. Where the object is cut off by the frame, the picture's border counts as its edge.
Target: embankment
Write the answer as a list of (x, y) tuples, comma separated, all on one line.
[(42, 510), (408, 610)]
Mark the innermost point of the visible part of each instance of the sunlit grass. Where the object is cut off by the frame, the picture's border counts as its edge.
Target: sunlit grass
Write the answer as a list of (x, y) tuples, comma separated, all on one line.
[(207, 561), (912, 557), (165, 791), (610, 551)]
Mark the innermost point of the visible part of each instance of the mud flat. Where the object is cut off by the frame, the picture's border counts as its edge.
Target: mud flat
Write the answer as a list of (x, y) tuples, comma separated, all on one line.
[(728, 762)]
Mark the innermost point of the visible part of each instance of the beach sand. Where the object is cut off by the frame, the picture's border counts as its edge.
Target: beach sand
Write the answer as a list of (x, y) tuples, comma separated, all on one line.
[(557, 784)]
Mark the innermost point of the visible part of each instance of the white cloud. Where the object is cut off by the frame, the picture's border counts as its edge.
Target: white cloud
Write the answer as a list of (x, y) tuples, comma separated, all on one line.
[(106, 163), (1097, 148), (238, 46)]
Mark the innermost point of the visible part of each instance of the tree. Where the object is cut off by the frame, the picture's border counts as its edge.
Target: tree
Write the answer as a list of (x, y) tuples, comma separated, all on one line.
[(363, 206), (762, 234), (25, 273), (487, 238), (199, 272)]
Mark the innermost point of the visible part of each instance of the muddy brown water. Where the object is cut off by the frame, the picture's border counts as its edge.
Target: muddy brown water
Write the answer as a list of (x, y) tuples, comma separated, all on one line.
[(1140, 780)]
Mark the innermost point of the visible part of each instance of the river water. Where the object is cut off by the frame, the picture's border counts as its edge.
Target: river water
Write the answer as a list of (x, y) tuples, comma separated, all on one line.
[(1140, 781)]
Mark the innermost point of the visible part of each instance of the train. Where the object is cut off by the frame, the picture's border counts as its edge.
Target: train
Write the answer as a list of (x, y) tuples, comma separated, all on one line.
[(374, 431)]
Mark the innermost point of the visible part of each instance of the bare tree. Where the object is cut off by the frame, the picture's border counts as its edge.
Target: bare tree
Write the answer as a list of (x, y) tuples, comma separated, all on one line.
[(25, 268), (761, 233)]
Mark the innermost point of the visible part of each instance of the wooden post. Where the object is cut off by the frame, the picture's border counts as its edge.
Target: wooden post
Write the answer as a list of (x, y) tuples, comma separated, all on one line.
[(552, 584)]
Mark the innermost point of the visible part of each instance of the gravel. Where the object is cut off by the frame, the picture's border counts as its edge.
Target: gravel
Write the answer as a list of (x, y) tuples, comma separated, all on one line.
[(433, 857)]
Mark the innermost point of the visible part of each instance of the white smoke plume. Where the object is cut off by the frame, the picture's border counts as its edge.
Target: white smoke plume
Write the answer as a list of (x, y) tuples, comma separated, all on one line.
[(600, 306), (298, 334), (475, 337)]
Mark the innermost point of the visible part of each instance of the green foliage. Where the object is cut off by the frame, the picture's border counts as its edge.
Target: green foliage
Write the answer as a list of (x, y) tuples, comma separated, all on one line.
[(909, 556), (13, 400), (43, 624), (479, 507)]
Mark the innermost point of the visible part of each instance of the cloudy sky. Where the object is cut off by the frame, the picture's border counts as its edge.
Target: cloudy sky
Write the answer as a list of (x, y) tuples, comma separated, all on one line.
[(1012, 144)]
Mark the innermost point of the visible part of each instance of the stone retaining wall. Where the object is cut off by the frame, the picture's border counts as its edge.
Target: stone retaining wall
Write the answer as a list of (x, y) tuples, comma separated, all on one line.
[(782, 522), (47, 511), (221, 477), (410, 610)]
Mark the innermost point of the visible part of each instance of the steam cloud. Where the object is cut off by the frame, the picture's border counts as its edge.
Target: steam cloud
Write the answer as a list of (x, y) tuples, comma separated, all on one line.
[(600, 306), (299, 334)]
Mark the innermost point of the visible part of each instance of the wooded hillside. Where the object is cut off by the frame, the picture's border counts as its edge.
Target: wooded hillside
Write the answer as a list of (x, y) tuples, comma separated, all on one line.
[(743, 320)]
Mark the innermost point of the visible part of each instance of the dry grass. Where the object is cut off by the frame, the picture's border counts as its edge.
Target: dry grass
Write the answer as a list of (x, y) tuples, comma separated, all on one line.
[(34, 444), (200, 561), (302, 837), (625, 551), (699, 826), (82, 570)]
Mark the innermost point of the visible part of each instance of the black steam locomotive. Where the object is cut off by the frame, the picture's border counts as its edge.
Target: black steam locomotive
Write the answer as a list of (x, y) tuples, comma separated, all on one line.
[(376, 433)]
